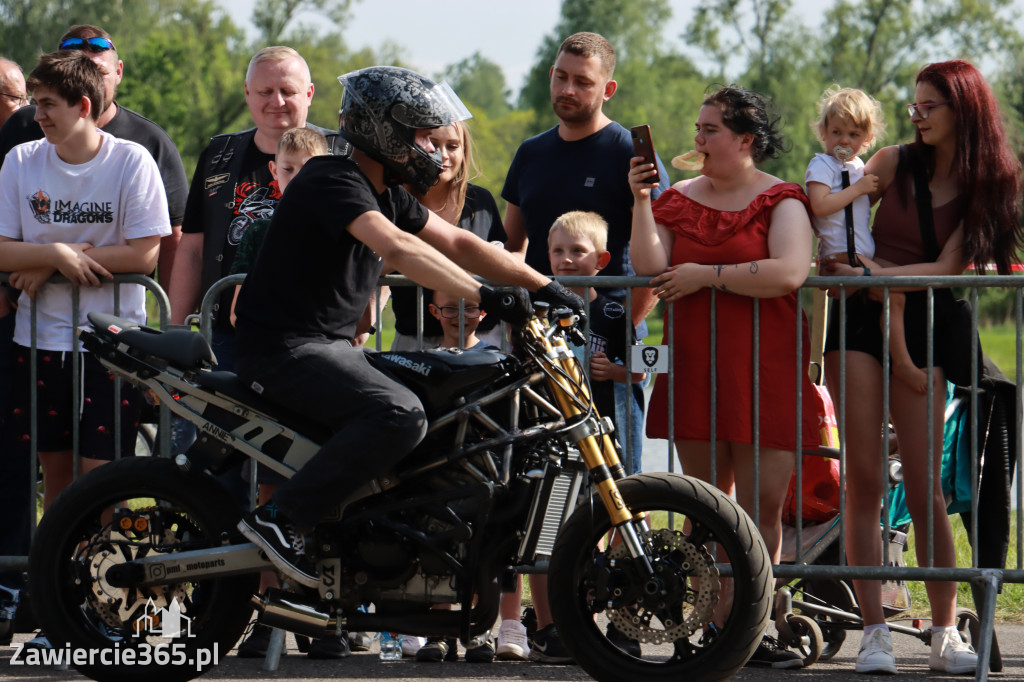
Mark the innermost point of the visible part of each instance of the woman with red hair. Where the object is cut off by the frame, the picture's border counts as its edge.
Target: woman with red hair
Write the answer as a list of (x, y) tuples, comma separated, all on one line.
[(949, 199)]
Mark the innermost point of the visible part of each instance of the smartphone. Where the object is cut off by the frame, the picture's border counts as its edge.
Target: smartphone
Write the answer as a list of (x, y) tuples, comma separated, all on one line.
[(643, 146)]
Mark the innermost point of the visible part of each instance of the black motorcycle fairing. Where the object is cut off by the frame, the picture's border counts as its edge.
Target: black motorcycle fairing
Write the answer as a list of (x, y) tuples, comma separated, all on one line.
[(438, 377)]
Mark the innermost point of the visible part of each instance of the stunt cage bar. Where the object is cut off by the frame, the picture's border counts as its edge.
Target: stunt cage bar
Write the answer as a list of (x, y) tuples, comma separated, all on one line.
[(988, 579)]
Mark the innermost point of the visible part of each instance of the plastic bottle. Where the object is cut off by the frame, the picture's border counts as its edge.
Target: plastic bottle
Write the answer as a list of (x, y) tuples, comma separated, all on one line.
[(390, 647)]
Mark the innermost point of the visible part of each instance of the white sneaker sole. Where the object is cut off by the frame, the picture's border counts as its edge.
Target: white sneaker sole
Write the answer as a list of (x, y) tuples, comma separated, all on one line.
[(876, 669), (939, 665)]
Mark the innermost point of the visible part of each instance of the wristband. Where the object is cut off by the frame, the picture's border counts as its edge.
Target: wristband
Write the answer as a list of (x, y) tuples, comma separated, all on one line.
[(867, 271)]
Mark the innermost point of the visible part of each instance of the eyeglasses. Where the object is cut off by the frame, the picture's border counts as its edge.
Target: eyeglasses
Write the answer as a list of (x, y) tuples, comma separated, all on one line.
[(450, 312), (924, 109), (90, 44), (22, 100)]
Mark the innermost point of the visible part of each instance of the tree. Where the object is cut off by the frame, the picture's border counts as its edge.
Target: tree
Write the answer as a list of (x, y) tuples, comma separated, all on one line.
[(479, 82), (189, 80), (271, 17)]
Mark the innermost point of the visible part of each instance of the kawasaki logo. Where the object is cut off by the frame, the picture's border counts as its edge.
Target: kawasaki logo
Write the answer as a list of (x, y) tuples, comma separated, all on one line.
[(418, 367)]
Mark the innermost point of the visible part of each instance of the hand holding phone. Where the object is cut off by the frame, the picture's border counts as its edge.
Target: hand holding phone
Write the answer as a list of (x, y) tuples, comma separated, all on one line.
[(644, 146)]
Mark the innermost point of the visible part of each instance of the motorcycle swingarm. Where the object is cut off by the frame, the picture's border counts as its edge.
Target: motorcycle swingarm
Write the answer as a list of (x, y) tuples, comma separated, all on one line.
[(192, 566)]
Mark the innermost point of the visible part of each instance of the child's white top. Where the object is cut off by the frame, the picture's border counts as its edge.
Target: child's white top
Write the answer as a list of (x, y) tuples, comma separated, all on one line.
[(831, 229), (116, 196)]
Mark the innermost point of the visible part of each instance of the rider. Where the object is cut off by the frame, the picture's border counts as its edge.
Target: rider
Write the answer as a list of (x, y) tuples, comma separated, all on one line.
[(301, 303)]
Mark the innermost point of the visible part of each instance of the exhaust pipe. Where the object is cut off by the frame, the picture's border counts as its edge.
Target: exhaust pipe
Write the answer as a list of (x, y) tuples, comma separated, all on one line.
[(290, 612)]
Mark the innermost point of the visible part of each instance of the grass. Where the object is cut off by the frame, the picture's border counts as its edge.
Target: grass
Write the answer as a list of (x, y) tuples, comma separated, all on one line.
[(1009, 602)]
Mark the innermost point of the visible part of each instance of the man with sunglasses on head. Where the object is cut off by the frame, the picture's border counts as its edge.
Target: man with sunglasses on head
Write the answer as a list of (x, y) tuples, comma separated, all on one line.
[(19, 128), (119, 122)]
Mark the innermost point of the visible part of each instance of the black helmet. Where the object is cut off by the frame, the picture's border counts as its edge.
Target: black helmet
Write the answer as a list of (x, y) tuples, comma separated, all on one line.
[(381, 110)]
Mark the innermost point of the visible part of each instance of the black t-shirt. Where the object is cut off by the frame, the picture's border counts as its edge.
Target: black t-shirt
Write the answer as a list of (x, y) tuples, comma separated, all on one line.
[(479, 216), (608, 327), (312, 279), (127, 125)]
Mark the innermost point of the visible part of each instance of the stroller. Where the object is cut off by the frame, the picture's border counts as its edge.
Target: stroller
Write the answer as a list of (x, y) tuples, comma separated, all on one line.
[(813, 615)]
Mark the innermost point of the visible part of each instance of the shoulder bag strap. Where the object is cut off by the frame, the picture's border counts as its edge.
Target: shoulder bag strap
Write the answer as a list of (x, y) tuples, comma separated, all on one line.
[(923, 199)]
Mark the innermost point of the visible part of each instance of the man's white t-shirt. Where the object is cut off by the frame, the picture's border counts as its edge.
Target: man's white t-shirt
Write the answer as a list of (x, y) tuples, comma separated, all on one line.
[(831, 229), (116, 196)]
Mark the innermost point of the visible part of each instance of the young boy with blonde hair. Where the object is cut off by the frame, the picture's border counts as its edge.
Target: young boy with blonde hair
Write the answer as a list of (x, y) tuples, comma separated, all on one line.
[(849, 123)]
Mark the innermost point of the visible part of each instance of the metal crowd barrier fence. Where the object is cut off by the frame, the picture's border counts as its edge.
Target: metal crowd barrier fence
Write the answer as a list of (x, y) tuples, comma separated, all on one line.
[(989, 580), (158, 438)]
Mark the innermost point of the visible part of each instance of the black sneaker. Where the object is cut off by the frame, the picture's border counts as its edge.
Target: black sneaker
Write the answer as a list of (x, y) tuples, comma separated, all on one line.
[(546, 646), (256, 644), (329, 648), (480, 654), (285, 546), (619, 639), (771, 653), (438, 649)]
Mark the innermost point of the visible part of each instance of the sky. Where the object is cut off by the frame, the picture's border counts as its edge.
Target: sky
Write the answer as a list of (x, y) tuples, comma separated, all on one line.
[(507, 33)]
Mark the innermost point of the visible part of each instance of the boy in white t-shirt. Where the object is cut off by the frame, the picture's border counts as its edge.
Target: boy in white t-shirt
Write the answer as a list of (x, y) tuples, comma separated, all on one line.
[(849, 123), (83, 204)]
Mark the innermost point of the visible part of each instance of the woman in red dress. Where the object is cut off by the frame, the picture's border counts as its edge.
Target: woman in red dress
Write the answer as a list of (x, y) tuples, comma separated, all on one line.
[(747, 235)]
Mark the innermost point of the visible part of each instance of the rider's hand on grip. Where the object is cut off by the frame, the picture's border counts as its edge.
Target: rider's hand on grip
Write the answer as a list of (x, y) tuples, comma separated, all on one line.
[(557, 295), (510, 304)]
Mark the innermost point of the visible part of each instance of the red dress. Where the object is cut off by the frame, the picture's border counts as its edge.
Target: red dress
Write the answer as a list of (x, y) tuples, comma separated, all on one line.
[(708, 235)]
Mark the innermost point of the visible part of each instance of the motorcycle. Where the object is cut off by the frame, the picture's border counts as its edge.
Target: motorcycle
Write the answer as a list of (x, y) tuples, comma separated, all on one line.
[(140, 559)]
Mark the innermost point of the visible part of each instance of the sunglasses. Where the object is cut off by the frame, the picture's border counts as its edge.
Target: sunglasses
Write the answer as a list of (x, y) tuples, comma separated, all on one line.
[(924, 109), (90, 44)]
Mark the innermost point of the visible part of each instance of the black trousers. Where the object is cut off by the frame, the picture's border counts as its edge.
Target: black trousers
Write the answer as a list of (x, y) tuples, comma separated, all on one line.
[(375, 421)]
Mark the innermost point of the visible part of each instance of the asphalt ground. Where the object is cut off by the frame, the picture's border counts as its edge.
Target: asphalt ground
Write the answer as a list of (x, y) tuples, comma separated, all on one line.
[(911, 656)]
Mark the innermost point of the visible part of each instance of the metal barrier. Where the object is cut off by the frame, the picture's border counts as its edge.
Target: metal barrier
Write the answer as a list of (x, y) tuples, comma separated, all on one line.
[(989, 580), (78, 318)]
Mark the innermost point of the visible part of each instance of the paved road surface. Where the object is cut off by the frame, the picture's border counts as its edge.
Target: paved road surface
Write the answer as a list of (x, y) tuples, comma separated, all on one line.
[(912, 658)]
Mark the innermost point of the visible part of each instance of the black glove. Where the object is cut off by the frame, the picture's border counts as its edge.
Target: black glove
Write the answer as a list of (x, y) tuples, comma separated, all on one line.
[(557, 295), (510, 304)]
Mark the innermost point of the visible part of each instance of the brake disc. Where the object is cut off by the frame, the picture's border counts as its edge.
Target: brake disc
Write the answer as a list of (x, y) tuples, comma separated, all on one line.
[(120, 606), (693, 584)]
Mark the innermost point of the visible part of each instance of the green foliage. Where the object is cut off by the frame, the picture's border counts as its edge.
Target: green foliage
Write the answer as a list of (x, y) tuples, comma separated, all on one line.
[(480, 84)]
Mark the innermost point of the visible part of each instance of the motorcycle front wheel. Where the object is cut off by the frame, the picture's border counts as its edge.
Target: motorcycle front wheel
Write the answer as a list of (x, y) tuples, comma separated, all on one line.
[(126, 510), (601, 597)]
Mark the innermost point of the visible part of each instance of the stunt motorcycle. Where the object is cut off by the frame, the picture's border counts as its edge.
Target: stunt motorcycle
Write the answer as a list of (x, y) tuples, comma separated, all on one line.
[(516, 467)]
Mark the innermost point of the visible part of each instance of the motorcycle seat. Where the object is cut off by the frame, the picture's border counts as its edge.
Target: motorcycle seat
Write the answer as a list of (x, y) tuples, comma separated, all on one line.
[(181, 347)]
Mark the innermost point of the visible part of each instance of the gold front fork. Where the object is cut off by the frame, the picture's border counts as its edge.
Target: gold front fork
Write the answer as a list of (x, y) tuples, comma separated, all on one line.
[(598, 452)]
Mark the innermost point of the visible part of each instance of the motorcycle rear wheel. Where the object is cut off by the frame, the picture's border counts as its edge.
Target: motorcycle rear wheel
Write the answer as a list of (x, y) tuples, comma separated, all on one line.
[(128, 509), (667, 616)]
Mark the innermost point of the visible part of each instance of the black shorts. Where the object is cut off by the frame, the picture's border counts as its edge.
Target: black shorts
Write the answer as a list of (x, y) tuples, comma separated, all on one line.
[(55, 394), (864, 331)]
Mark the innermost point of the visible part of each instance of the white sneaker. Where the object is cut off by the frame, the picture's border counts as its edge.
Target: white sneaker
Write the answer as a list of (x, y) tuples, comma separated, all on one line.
[(513, 644), (875, 654), (411, 644), (950, 654)]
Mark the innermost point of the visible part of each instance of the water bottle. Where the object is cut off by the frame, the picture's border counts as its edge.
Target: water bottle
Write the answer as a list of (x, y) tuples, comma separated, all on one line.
[(390, 647)]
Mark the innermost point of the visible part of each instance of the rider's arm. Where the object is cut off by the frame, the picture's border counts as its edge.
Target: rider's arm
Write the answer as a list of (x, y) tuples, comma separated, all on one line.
[(413, 257), (479, 256)]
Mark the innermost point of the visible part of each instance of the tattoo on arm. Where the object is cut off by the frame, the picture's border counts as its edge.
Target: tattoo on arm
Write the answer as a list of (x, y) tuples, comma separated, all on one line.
[(718, 269), (753, 267)]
